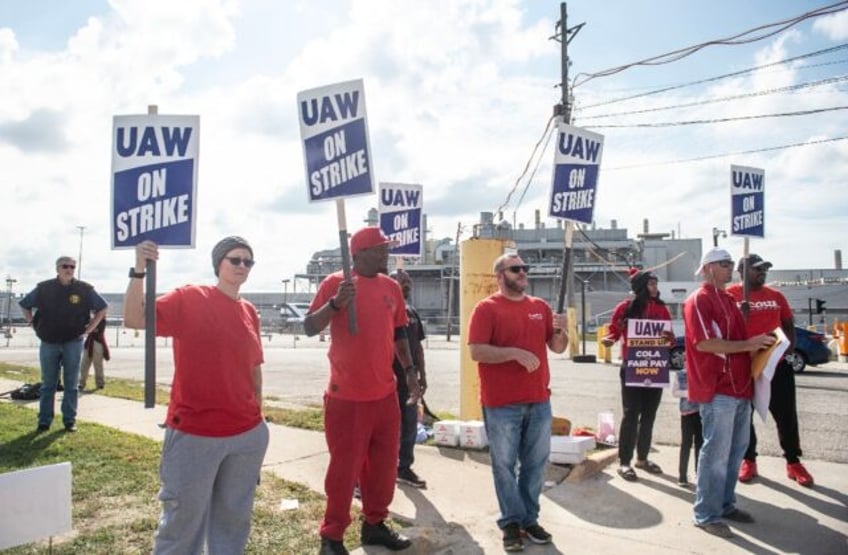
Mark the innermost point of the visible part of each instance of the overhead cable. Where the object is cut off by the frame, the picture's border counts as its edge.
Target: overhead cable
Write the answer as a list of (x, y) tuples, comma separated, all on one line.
[(746, 37), (725, 155)]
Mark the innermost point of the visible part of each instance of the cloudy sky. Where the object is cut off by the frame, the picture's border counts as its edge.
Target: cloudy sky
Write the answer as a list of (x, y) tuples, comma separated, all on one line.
[(458, 93)]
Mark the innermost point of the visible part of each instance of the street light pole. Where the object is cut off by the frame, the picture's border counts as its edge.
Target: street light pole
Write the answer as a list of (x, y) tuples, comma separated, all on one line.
[(79, 259), (716, 233), (9, 283)]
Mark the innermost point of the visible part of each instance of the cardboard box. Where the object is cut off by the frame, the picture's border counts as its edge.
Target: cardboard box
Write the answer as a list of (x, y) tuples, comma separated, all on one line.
[(567, 458), (446, 432), (560, 426), (472, 435)]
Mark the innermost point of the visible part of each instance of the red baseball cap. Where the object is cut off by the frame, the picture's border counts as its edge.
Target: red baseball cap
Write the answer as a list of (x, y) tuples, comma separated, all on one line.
[(367, 237)]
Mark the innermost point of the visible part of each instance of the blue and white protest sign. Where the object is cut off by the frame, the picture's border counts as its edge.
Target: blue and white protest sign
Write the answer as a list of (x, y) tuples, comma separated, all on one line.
[(648, 354), (154, 180), (334, 130), (576, 163), (747, 201), (401, 207)]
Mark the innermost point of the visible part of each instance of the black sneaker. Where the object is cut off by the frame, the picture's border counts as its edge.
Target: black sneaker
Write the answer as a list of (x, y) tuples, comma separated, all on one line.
[(332, 547), (537, 534), (380, 534), (512, 538), (71, 427), (42, 428), (409, 477)]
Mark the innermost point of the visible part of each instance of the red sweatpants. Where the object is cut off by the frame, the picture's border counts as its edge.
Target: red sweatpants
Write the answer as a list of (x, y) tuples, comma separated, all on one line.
[(363, 438)]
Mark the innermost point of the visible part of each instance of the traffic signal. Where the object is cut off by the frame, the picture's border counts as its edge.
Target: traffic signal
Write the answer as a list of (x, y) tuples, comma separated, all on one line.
[(820, 306)]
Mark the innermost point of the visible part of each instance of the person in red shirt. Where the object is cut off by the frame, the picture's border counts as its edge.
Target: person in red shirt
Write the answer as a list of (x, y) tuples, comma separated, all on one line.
[(718, 363), (765, 310), (215, 435), (361, 410), (508, 336), (639, 404)]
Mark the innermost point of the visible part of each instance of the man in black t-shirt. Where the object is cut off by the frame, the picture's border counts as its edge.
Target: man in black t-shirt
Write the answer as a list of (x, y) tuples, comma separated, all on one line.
[(409, 413)]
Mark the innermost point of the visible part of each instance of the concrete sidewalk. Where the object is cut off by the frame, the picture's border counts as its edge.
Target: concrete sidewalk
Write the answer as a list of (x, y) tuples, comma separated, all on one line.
[(601, 513)]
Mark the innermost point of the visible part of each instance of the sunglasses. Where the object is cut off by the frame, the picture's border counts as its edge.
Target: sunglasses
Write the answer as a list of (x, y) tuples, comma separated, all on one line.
[(237, 260), (725, 263), (517, 269), (68, 266)]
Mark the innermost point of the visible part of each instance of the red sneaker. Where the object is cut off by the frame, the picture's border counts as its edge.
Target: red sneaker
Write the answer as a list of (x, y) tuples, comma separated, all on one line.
[(797, 472), (748, 470)]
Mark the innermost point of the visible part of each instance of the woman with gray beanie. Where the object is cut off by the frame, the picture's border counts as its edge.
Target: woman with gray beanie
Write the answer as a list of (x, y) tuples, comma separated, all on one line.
[(639, 404), (215, 435)]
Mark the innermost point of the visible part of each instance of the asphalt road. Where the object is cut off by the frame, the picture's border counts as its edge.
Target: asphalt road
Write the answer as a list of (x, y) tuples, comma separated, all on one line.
[(295, 373)]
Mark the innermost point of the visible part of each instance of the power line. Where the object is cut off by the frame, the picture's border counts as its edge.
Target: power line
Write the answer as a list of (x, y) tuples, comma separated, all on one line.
[(789, 88), (527, 166), (719, 77), (720, 120), (759, 33), (725, 155)]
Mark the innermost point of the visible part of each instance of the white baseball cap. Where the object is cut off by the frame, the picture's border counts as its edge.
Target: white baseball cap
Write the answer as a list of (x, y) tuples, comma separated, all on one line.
[(715, 254)]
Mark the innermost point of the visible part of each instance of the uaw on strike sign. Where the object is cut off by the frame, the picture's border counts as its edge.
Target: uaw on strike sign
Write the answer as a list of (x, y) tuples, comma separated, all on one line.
[(401, 206), (747, 201), (575, 182), (334, 130), (154, 179)]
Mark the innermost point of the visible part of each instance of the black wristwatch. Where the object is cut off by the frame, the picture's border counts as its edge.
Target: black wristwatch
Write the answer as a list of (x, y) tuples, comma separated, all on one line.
[(134, 274)]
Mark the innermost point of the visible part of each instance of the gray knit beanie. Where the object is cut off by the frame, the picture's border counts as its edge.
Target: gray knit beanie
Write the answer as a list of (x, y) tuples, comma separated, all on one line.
[(224, 246)]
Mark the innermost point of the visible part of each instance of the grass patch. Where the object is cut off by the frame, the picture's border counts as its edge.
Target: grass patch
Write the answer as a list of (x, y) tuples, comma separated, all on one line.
[(115, 483)]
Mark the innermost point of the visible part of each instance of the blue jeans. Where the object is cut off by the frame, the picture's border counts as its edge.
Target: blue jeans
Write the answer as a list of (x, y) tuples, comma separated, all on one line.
[(408, 433), (519, 445), (53, 356), (726, 425)]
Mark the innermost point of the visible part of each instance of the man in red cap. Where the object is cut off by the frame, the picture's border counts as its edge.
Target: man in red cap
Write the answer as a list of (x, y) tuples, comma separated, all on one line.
[(765, 310), (361, 416)]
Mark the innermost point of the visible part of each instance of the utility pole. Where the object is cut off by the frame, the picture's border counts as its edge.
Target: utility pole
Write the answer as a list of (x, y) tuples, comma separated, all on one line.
[(79, 258), (563, 109)]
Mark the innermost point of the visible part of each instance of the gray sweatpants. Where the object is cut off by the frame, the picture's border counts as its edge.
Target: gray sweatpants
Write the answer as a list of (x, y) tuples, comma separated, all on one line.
[(207, 491)]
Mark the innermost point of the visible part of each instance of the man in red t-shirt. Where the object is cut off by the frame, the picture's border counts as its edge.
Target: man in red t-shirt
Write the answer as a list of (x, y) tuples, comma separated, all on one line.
[(765, 310), (361, 414), (718, 366), (508, 336)]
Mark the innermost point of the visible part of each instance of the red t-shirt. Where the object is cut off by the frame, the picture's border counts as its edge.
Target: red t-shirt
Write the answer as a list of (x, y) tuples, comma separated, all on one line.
[(768, 308), (361, 364), (216, 347), (711, 313), (618, 324), (527, 324)]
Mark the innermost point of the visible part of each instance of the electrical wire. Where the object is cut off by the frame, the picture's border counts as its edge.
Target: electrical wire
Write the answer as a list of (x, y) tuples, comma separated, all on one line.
[(720, 120), (759, 33), (718, 77), (725, 155), (526, 166), (789, 88)]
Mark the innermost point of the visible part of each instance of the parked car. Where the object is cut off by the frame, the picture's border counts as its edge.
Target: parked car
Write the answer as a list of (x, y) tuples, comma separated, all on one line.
[(810, 349)]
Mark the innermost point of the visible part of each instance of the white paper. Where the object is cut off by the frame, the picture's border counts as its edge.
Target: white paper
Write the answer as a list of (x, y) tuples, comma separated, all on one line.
[(762, 385)]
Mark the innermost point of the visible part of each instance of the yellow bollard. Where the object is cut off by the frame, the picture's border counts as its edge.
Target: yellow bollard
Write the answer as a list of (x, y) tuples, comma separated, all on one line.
[(604, 352), (477, 282)]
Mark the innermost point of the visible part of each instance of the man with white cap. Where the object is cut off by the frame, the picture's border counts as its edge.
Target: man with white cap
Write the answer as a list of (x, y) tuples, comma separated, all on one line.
[(719, 365)]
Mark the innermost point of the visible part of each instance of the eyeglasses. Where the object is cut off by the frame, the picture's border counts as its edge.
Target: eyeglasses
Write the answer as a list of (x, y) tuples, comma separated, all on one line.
[(237, 261), (725, 263), (517, 269), (68, 266)]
